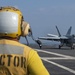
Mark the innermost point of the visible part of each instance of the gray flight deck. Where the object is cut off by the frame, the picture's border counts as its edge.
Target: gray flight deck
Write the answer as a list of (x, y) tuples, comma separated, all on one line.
[(57, 61)]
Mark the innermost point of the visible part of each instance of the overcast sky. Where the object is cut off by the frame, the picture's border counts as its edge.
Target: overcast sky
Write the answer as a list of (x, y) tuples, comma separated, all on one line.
[(44, 15)]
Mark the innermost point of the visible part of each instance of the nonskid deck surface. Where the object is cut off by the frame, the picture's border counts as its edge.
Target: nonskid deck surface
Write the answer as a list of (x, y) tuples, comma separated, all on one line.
[(57, 61)]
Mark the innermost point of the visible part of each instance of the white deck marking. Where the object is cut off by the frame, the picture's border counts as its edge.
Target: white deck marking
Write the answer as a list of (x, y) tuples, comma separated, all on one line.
[(61, 66), (61, 57), (57, 58), (57, 54)]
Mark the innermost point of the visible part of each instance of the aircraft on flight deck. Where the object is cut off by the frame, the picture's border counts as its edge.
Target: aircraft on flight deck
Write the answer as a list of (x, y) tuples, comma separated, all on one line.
[(67, 39)]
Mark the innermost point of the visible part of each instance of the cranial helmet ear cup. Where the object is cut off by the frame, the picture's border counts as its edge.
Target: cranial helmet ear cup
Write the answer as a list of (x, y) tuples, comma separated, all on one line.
[(25, 28)]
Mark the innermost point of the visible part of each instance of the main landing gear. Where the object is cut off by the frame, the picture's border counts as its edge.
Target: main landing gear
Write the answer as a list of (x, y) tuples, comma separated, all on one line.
[(72, 47), (60, 46)]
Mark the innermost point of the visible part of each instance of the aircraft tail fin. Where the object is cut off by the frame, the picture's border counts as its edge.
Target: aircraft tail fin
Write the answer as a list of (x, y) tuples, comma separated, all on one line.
[(69, 31), (58, 31)]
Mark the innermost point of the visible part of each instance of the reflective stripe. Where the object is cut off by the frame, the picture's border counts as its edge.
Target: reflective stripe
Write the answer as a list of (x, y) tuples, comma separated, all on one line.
[(11, 49)]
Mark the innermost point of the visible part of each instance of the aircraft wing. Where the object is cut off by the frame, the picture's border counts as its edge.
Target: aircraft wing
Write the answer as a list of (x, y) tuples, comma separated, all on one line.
[(53, 38)]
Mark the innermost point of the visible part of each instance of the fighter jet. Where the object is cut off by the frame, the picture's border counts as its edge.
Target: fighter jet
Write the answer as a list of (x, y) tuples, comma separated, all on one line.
[(67, 39)]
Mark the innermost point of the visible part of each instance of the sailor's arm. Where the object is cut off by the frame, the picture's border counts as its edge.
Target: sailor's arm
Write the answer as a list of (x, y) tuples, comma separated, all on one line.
[(35, 65)]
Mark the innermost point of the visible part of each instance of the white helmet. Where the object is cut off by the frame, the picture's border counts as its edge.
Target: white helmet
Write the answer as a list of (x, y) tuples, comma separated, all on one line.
[(12, 23)]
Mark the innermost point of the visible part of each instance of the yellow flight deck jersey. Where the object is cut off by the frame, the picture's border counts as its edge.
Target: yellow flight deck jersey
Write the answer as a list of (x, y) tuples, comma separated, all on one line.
[(20, 59)]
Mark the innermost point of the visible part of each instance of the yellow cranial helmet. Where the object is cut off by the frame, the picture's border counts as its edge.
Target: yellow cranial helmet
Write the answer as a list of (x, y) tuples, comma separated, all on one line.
[(12, 23)]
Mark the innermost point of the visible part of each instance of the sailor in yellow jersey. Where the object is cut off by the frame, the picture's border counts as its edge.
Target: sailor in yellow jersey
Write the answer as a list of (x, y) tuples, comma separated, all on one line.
[(16, 58)]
